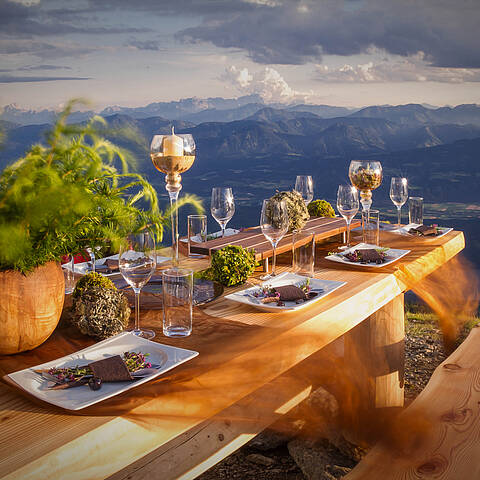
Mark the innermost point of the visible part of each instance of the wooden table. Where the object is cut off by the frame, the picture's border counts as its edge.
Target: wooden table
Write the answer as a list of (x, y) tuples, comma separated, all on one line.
[(241, 381)]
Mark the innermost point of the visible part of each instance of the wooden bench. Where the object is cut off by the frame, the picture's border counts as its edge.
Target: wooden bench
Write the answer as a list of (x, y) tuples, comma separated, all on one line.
[(438, 435)]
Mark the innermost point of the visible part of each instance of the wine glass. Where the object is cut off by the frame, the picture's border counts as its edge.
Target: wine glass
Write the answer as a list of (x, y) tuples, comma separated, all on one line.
[(274, 223), (347, 206), (304, 186), (399, 194), (366, 175), (137, 262), (91, 263), (222, 206)]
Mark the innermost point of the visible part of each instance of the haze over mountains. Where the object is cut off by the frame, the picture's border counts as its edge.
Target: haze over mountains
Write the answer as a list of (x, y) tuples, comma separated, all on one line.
[(257, 148)]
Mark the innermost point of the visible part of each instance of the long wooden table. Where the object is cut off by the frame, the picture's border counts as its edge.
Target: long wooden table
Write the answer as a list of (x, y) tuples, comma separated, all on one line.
[(244, 378)]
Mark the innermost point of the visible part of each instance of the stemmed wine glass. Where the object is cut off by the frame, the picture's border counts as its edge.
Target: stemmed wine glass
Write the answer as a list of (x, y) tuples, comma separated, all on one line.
[(399, 194), (304, 186), (274, 223), (347, 206), (222, 206), (137, 262)]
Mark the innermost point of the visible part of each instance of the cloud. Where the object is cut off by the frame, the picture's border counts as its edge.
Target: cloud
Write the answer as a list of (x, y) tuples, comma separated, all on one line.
[(410, 69), (44, 50), (144, 45), (294, 32), (267, 83), (19, 79), (44, 67)]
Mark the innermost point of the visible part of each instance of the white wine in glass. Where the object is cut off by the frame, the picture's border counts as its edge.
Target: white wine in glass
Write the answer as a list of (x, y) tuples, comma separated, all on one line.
[(399, 194), (274, 223), (222, 206), (347, 206), (137, 261)]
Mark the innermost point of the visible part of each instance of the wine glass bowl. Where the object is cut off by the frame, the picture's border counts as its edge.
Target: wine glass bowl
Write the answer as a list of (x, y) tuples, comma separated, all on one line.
[(347, 206), (274, 222), (222, 206), (304, 186), (365, 175), (137, 261), (399, 194)]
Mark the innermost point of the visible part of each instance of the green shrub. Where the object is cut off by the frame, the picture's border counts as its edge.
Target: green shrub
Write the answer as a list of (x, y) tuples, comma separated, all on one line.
[(321, 208), (232, 265)]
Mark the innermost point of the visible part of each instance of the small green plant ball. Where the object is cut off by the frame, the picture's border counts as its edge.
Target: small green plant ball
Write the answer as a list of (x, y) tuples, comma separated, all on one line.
[(232, 265), (93, 279), (321, 208), (297, 210)]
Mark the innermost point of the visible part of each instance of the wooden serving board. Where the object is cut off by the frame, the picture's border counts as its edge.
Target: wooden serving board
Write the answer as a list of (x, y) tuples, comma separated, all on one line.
[(322, 227)]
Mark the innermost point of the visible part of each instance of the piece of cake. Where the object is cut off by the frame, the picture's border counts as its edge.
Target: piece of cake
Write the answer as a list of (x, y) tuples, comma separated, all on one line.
[(424, 230), (111, 369), (290, 293)]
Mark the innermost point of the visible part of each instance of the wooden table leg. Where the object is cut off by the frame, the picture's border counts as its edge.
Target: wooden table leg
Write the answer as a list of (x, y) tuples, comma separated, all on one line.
[(375, 361)]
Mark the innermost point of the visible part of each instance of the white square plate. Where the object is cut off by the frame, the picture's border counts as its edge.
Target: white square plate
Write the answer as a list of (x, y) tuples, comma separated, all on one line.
[(321, 287), (165, 356), (82, 268), (405, 231), (392, 255)]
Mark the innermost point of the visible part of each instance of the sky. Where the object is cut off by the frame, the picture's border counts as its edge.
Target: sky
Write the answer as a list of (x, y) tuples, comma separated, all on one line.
[(346, 53)]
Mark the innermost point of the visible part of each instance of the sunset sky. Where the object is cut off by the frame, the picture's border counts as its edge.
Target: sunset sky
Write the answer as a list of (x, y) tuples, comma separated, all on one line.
[(131, 53)]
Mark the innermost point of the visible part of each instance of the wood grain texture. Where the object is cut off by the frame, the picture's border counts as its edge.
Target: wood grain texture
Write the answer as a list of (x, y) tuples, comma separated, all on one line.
[(439, 433), (253, 238), (30, 307), (42, 443)]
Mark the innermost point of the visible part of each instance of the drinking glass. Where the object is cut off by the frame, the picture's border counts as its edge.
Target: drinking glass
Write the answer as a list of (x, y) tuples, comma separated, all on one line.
[(222, 206), (415, 210), (197, 232), (399, 194), (304, 186), (137, 262), (371, 227), (347, 206), (91, 263), (274, 223), (177, 287), (68, 267), (303, 253)]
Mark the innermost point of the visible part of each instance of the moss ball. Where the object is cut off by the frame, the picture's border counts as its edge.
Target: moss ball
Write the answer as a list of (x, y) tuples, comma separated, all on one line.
[(297, 210), (321, 208)]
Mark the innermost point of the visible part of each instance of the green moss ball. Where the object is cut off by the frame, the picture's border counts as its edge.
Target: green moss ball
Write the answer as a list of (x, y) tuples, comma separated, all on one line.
[(321, 208)]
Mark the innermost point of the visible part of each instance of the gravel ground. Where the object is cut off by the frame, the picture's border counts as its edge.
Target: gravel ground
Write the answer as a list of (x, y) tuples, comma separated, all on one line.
[(274, 460)]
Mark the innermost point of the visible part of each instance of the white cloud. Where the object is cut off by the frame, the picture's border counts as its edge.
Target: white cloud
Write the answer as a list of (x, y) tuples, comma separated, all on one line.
[(410, 69), (268, 83)]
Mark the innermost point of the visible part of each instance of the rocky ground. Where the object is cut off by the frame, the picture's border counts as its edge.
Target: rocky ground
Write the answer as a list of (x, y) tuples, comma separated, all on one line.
[(273, 456)]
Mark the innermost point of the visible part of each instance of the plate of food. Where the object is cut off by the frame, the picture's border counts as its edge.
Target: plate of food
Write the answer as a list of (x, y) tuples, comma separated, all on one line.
[(365, 255), (286, 292), (107, 266), (425, 231), (100, 371)]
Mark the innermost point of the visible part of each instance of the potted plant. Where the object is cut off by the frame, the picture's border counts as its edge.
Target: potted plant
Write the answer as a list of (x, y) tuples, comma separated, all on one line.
[(73, 193)]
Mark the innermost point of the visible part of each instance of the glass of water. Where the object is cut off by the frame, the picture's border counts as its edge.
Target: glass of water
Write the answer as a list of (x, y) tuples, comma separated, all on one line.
[(415, 210)]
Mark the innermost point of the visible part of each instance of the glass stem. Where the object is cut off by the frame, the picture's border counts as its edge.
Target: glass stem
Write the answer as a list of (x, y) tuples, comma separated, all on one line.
[(274, 245), (399, 215), (223, 229), (348, 232), (174, 222), (92, 258), (137, 310)]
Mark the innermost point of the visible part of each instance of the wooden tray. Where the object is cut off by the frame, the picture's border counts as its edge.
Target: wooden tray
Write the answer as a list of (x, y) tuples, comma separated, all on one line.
[(253, 237)]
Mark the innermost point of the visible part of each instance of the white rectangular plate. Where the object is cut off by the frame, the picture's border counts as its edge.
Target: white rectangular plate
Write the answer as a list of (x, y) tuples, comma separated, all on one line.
[(405, 231), (211, 236), (82, 268), (80, 397), (392, 255), (322, 287)]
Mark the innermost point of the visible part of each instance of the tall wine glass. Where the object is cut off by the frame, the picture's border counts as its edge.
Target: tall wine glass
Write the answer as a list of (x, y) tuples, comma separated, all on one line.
[(304, 186), (365, 175), (347, 206), (274, 224), (222, 206), (399, 194), (137, 262)]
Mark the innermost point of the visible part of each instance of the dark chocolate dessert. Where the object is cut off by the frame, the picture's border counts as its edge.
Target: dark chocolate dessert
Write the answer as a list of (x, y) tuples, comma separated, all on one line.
[(366, 255), (424, 230), (290, 293), (111, 369)]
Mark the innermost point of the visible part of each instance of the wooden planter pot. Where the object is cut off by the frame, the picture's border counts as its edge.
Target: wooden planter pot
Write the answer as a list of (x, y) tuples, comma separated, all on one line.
[(30, 307)]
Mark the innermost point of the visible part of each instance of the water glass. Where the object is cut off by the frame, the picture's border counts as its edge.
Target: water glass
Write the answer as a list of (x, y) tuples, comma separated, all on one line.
[(371, 227), (177, 286), (222, 206), (197, 233), (415, 210), (68, 273), (303, 253)]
